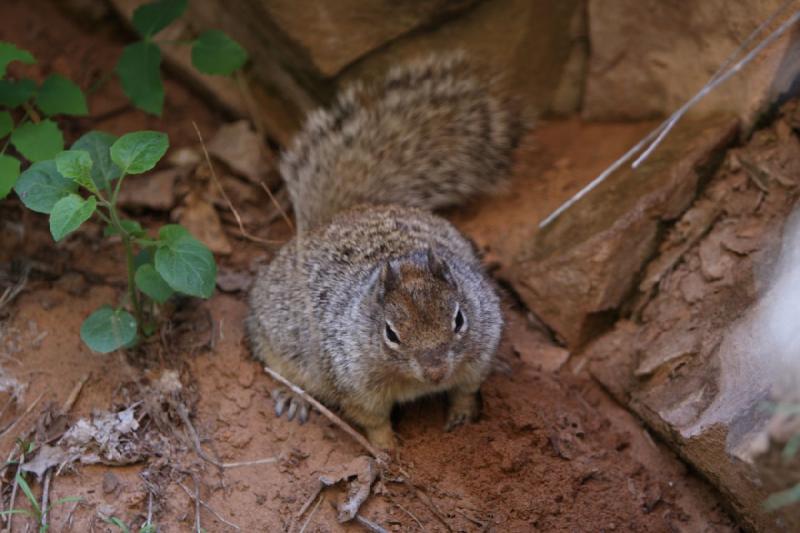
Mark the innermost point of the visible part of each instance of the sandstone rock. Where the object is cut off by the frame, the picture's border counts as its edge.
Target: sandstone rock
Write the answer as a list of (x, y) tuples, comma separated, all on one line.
[(702, 355), (538, 49), (648, 57), (335, 34), (155, 190), (576, 272)]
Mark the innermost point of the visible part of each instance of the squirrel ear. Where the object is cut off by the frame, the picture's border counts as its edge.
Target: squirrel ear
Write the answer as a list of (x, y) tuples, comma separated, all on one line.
[(437, 267), (388, 279)]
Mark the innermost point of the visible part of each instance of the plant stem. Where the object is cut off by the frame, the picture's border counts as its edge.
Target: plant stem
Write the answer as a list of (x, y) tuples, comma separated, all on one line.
[(127, 242)]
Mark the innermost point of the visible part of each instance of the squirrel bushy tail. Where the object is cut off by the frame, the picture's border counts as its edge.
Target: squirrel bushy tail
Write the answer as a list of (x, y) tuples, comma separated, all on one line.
[(429, 135)]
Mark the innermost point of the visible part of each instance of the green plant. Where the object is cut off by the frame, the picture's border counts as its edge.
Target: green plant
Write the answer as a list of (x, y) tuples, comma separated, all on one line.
[(791, 495), (84, 181), (139, 66), (36, 512), (36, 135), (72, 186), (123, 527)]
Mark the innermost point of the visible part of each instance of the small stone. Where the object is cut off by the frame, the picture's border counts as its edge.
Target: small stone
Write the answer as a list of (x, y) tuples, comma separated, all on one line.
[(110, 482)]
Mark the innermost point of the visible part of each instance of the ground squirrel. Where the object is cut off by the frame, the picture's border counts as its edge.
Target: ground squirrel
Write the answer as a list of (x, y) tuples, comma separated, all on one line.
[(377, 301)]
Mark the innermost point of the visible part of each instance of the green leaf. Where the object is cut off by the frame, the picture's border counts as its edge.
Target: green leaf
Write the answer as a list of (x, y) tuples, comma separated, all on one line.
[(38, 141), (139, 152), (98, 144), (132, 227), (60, 96), (185, 263), (9, 53), (41, 186), (76, 165), (151, 18), (216, 53), (9, 172), (14, 93), (152, 284), (69, 213), (108, 329), (32, 499), (6, 123), (139, 71)]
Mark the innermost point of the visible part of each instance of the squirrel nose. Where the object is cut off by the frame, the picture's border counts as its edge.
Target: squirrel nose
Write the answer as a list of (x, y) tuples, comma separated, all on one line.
[(435, 374)]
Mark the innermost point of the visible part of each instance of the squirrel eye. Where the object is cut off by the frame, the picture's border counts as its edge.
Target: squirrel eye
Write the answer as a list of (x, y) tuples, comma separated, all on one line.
[(390, 335), (458, 321)]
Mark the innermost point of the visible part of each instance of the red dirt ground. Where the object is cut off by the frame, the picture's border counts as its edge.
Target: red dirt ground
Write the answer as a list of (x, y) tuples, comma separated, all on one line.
[(552, 452)]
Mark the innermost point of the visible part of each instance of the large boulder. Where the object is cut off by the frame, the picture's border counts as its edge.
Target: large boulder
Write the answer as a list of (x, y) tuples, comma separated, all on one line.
[(712, 339), (650, 56), (576, 273)]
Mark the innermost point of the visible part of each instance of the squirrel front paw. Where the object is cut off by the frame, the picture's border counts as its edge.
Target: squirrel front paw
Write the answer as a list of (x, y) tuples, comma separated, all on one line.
[(293, 405), (382, 437), (464, 407)]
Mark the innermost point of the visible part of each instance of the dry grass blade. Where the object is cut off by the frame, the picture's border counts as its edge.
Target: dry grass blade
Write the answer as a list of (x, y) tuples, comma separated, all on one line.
[(20, 417), (277, 205), (233, 210), (11, 292)]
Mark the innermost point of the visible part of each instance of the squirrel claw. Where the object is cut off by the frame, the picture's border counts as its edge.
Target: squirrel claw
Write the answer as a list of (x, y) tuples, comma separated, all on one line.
[(455, 420), (296, 405)]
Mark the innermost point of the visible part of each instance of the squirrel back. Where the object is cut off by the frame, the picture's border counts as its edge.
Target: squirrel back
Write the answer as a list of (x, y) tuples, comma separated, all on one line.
[(429, 135)]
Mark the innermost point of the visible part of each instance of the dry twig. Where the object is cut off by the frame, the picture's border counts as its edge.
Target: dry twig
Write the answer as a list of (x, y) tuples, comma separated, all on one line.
[(311, 514), (233, 210), (198, 448), (655, 137), (381, 457), (208, 507)]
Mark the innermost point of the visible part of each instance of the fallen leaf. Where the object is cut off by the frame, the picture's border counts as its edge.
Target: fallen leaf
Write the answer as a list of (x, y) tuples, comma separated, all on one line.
[(359, 474)]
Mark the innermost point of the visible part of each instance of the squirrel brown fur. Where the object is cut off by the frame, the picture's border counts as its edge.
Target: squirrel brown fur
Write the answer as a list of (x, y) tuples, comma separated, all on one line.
[(377, 301)]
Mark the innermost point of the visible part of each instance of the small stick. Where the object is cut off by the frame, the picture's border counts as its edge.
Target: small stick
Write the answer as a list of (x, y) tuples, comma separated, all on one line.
[(277, 205), (23, 415), (208, 507), (309, 501), (358, 437), (11, 292), (426, 499), (46, 497), (409, 513), (149, 507), (370, 525), (238, 218), (198, 529), (73, 395), (311, 514), (198, 448), (655, 137)]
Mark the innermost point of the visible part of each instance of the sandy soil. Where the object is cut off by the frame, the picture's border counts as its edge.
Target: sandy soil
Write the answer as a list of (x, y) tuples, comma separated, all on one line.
[(552, 452)]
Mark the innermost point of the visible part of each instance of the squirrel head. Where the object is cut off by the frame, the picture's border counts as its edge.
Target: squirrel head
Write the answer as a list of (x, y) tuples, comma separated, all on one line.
[(423, 319)]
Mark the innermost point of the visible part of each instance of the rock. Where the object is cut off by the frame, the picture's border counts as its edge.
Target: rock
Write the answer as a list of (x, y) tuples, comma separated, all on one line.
[(336, 34), (239, 147), (648, 57), (575, 273), (539, 48), (703, 352), (155, 190), (202, 221)]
